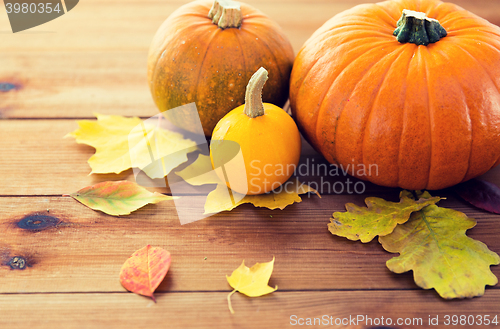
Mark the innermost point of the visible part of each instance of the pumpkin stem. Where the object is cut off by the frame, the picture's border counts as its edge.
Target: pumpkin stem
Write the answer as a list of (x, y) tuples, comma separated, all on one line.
[(415, 27), (253, 96), (226, 14)]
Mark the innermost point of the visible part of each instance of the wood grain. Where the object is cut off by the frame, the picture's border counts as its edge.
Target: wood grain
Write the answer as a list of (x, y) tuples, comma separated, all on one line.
[(209, 310), (37, 160), (86, 250), (75, 84)]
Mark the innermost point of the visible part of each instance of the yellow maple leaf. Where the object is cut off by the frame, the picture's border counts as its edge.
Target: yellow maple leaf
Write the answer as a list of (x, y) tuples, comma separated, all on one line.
[(122, 143), (200, 172), (252, 282), (433, 244)]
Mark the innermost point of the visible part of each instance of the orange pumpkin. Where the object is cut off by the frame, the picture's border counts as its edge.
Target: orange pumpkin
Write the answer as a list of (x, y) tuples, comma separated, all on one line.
[(267, 137), (205, 52), (419, 113)]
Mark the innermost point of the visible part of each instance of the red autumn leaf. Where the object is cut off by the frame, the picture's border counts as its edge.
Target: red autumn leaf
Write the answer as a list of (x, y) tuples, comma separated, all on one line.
[(143, 272), (482, 194)]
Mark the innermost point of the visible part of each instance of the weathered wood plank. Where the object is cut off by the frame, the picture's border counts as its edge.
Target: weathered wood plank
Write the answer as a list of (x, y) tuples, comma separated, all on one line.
[(37, 160), (75, 84), (209, 310), (85, 251), (93, 60)]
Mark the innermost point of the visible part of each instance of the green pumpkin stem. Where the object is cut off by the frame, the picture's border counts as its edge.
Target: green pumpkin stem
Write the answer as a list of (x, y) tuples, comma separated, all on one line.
[(226, 14), (253, 96), (415, 27)]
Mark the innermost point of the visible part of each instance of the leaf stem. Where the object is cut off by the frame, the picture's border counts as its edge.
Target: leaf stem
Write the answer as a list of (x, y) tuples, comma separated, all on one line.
[(229, 301)]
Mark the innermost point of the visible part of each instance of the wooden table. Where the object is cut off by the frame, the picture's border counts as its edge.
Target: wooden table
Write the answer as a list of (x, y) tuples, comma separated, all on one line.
[(93, 59)]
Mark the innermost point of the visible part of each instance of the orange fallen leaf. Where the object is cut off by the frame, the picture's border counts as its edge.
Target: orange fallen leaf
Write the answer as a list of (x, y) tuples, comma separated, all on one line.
[(143, 272)]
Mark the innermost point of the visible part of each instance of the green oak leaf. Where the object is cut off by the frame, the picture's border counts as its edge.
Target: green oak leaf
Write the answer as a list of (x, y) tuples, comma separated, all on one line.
[(380, 217), (433, 244)]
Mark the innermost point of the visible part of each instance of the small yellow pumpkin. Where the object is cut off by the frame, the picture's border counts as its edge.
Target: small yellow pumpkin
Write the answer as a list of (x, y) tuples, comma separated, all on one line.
[(267, 138)]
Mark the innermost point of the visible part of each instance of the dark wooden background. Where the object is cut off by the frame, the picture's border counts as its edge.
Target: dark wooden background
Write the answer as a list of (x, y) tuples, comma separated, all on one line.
[(93, 59)]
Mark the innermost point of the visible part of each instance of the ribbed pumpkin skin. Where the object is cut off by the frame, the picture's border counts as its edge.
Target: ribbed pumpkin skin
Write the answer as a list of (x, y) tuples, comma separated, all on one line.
[(427, 116), (191, 59)]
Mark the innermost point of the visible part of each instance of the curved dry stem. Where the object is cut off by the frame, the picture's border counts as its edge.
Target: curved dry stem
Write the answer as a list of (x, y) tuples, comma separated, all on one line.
[(226, 14), (229, 301), (253, 96)]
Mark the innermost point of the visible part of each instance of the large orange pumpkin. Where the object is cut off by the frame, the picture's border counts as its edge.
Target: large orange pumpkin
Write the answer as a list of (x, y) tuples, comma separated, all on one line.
[(206, 51), (420, 113)]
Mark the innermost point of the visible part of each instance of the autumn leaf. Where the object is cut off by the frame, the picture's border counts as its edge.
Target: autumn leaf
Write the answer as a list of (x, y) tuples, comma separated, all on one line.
[(380, 217), (143, 272), (252, 282), (223, 199), (200, 172), (117, 198), (433, 244), (482, 194), (122, 143)]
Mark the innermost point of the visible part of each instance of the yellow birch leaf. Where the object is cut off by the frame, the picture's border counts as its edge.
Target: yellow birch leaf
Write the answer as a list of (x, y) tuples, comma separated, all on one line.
[(380, 217), (223, 199), (122, 143), (433, 244), (252, 282)]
